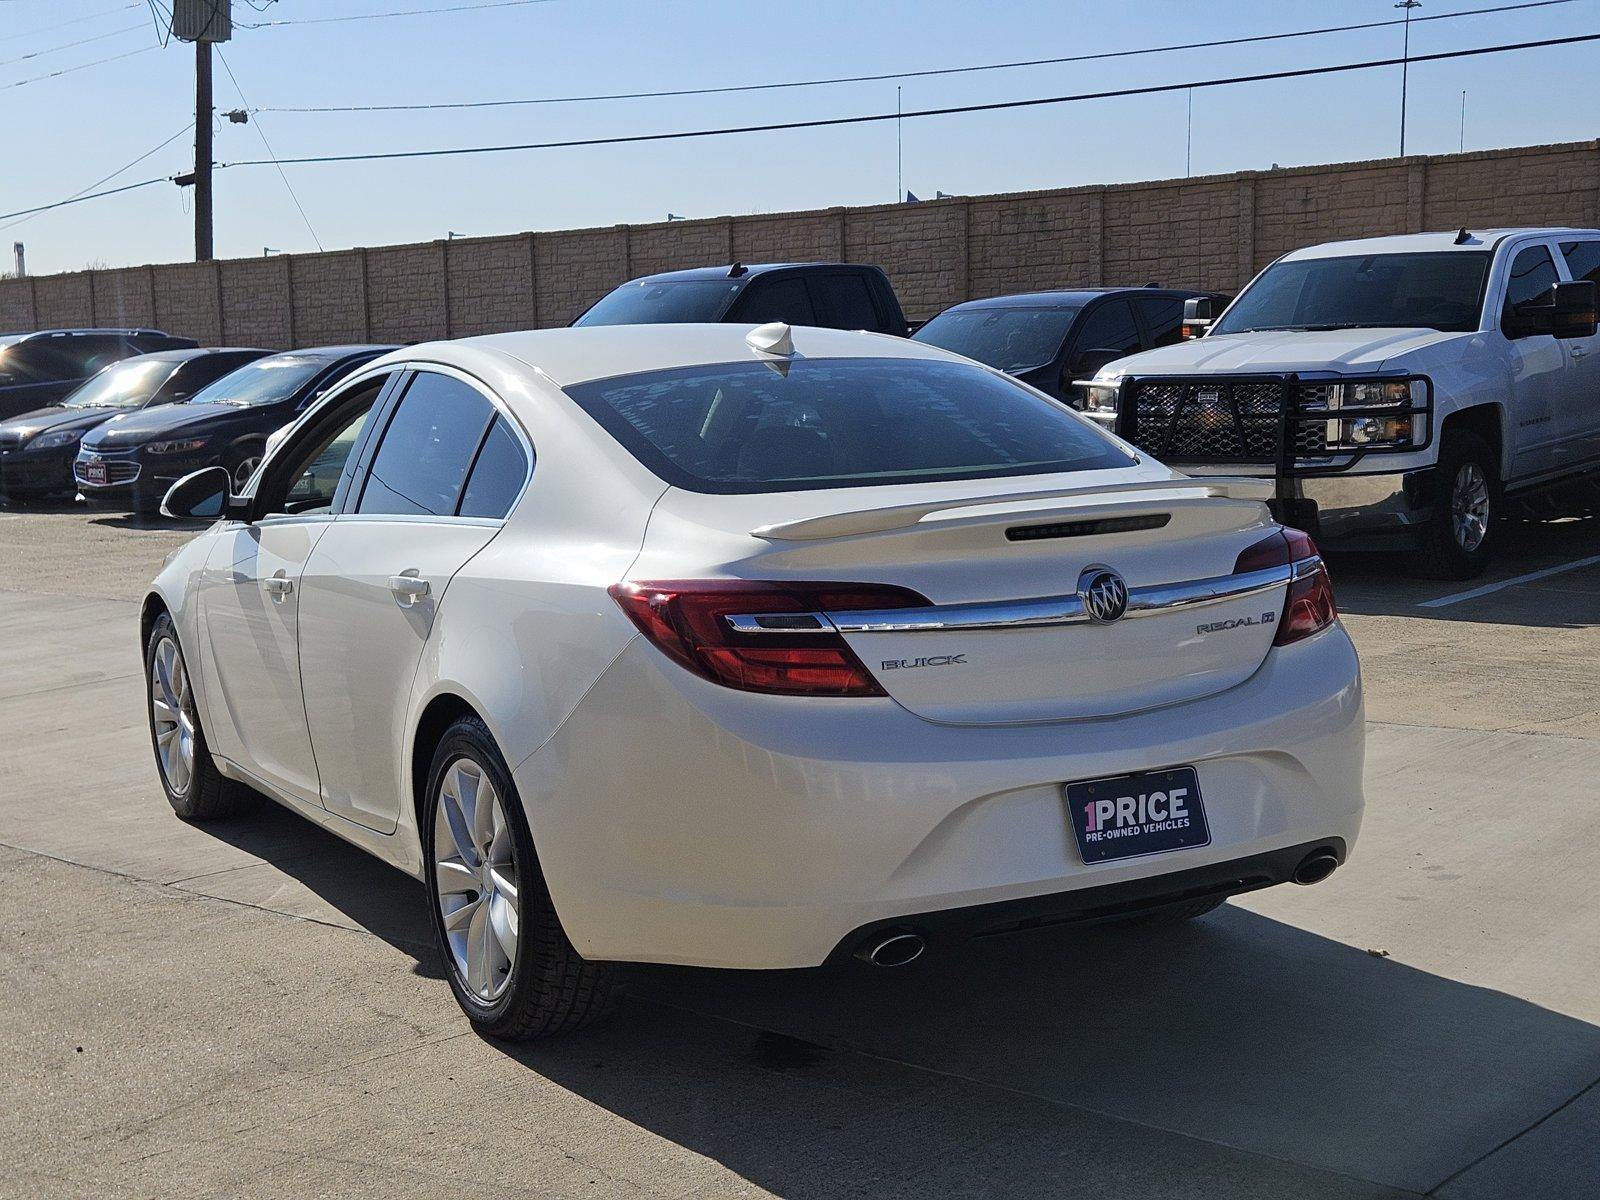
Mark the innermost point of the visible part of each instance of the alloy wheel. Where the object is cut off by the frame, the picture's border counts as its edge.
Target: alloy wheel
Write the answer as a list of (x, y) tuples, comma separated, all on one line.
[(1469, 507), (243, 471), (171, 716), (476, 880)]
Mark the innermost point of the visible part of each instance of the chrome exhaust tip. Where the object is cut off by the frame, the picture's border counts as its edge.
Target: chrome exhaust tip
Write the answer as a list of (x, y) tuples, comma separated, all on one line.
[(1315, 867), (892, 949)]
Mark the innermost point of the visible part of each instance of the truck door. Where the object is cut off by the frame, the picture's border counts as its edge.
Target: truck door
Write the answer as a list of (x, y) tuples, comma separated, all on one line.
[(1538, 365), (1583, 358)]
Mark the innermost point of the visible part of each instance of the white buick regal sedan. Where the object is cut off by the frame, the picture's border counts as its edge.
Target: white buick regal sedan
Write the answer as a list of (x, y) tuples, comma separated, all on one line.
[(749, 648)]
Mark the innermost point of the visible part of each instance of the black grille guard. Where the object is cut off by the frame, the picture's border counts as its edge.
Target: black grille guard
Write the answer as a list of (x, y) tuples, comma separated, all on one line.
[(1288, 460)]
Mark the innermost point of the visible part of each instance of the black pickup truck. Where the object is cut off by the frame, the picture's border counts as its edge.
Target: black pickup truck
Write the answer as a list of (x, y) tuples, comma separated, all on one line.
[(830, 295)]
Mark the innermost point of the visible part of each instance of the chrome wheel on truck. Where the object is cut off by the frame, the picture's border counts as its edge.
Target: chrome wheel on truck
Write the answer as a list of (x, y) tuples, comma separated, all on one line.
[(1469, 506)]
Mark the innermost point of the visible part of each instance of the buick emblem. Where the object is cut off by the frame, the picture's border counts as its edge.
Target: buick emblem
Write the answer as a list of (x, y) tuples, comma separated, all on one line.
[(1104, 594)]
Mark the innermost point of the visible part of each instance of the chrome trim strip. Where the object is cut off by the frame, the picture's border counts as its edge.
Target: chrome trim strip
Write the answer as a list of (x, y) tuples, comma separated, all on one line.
[(1064, 610), (1023, 614)]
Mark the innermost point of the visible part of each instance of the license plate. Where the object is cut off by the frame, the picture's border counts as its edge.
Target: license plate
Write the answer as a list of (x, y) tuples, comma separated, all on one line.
[(1153, 812), (93, 472)]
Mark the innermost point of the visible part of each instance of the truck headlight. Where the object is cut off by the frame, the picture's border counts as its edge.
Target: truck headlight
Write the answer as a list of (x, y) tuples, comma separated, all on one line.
[(1101, 397), (1374, 394), (54, 441), (1376, 431)]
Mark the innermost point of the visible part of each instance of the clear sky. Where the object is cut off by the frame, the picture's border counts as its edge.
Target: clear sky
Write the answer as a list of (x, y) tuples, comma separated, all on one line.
[(64, 133)]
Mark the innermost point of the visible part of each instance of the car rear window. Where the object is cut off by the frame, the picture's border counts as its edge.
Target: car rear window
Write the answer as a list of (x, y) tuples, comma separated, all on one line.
[(662, 303), (1010, 339), (843, 422)]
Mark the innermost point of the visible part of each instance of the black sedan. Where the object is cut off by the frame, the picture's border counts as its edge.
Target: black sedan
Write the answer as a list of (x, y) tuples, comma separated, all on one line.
[(130, 463), (37, 448), (1049, 339)]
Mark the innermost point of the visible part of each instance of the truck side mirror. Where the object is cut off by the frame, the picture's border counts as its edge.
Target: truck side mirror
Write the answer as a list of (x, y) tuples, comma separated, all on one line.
[(1574, 311), (1196, 316)]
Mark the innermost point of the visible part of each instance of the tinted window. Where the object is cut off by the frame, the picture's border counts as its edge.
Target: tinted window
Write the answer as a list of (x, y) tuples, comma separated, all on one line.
[(126, 384), (663, 303), (1583, 259), (1010, 339), (265, 381), (426, 451), (782, 299), (1532, 279), (1163, 319), (313, 469), (497, 476), (194, 373), (1109, 326), (846, 301), (743, 427), (48, 359), (1441, 291)]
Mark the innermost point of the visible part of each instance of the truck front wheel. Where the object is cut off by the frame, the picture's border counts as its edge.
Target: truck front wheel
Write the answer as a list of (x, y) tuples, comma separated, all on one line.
[(1460, 537)]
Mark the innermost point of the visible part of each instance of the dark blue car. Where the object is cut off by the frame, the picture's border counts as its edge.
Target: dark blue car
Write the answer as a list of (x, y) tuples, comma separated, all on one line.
[(129, 462), (37, 448)]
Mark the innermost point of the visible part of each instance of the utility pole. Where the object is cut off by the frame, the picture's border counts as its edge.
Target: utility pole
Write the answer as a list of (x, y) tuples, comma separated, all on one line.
[(899, 155), (202, 22), (202, 150), (1405, 68)]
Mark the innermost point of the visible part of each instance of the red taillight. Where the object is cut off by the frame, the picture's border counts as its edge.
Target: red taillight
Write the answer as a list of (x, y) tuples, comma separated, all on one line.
[(1308, 608), (688, 621)]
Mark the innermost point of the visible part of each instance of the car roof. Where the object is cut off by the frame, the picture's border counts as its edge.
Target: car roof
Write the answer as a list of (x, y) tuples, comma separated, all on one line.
[(188, 352), (749, 270), (587, 352), (1430, 243), (1065, 297), (330, 353), (123, 330)]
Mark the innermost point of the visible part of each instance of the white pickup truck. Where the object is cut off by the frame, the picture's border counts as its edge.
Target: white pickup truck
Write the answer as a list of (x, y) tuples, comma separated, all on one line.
[(1396, 388)]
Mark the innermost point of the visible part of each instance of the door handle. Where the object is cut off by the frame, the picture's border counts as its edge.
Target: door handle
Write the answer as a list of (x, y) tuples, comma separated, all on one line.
[(278, 586), (407, 588), (1578, 352)]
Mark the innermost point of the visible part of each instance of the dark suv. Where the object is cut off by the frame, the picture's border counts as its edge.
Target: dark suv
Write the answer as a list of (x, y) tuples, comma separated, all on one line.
[(1049, 339), (37, 369), (130, 463), (830, 295)]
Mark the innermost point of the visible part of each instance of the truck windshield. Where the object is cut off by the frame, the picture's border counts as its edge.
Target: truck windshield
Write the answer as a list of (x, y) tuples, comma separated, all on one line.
[(649, 303), (1008, 339), (1364, 291)]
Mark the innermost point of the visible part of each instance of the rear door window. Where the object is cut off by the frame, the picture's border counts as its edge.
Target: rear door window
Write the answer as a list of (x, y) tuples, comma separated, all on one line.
[(844, 301), (422, 463), (784, 298), (498, 474), (842, 422), (1583, 259), (1163, 319)]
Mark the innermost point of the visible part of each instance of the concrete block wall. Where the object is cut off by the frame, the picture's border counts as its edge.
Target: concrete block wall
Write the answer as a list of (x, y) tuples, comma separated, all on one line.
[(1211, 232)]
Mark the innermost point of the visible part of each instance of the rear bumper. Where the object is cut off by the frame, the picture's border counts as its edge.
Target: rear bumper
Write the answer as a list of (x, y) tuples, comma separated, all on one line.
[(681, 822)]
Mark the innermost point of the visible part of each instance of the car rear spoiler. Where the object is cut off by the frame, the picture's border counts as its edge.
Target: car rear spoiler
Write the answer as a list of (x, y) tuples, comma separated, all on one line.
[(905, 516)]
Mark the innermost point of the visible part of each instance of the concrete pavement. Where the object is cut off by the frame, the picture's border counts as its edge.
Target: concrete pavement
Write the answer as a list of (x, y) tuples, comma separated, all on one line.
[(259, 1010)]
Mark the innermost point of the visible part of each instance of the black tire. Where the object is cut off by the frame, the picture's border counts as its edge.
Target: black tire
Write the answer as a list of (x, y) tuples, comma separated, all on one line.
[(206, 795), (235, 461), (1445, 555), (1171, 914), (551, 988)]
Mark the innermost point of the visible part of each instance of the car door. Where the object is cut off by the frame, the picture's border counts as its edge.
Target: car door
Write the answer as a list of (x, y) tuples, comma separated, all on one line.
[(1538, 364), (1583, 357), (1105, 332), (375, 580), (250, 601)]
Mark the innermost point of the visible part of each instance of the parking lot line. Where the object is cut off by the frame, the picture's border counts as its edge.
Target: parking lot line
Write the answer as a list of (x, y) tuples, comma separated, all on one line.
[(1486, 589)]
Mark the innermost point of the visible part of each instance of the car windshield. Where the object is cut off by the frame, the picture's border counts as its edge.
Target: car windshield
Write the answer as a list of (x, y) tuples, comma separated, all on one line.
[(265, 381), (842, 422), (663, 303), (122, 385), (1010, 339), (1441, 291)]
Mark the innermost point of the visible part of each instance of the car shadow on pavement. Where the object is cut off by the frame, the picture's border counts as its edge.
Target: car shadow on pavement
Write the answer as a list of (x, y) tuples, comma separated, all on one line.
[(1237, 1031)]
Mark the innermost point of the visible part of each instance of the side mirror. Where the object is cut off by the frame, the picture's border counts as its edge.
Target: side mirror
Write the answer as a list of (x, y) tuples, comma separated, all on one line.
[(1574, 311), (1197, 316), (202, 495)]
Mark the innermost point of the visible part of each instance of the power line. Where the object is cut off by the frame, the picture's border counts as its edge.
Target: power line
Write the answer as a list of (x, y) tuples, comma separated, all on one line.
[(405, 12), (261, 133), (919, 74), (79, 194), (99, 37), (127, 187), (80, 67), (104, 12), (953, 110)]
